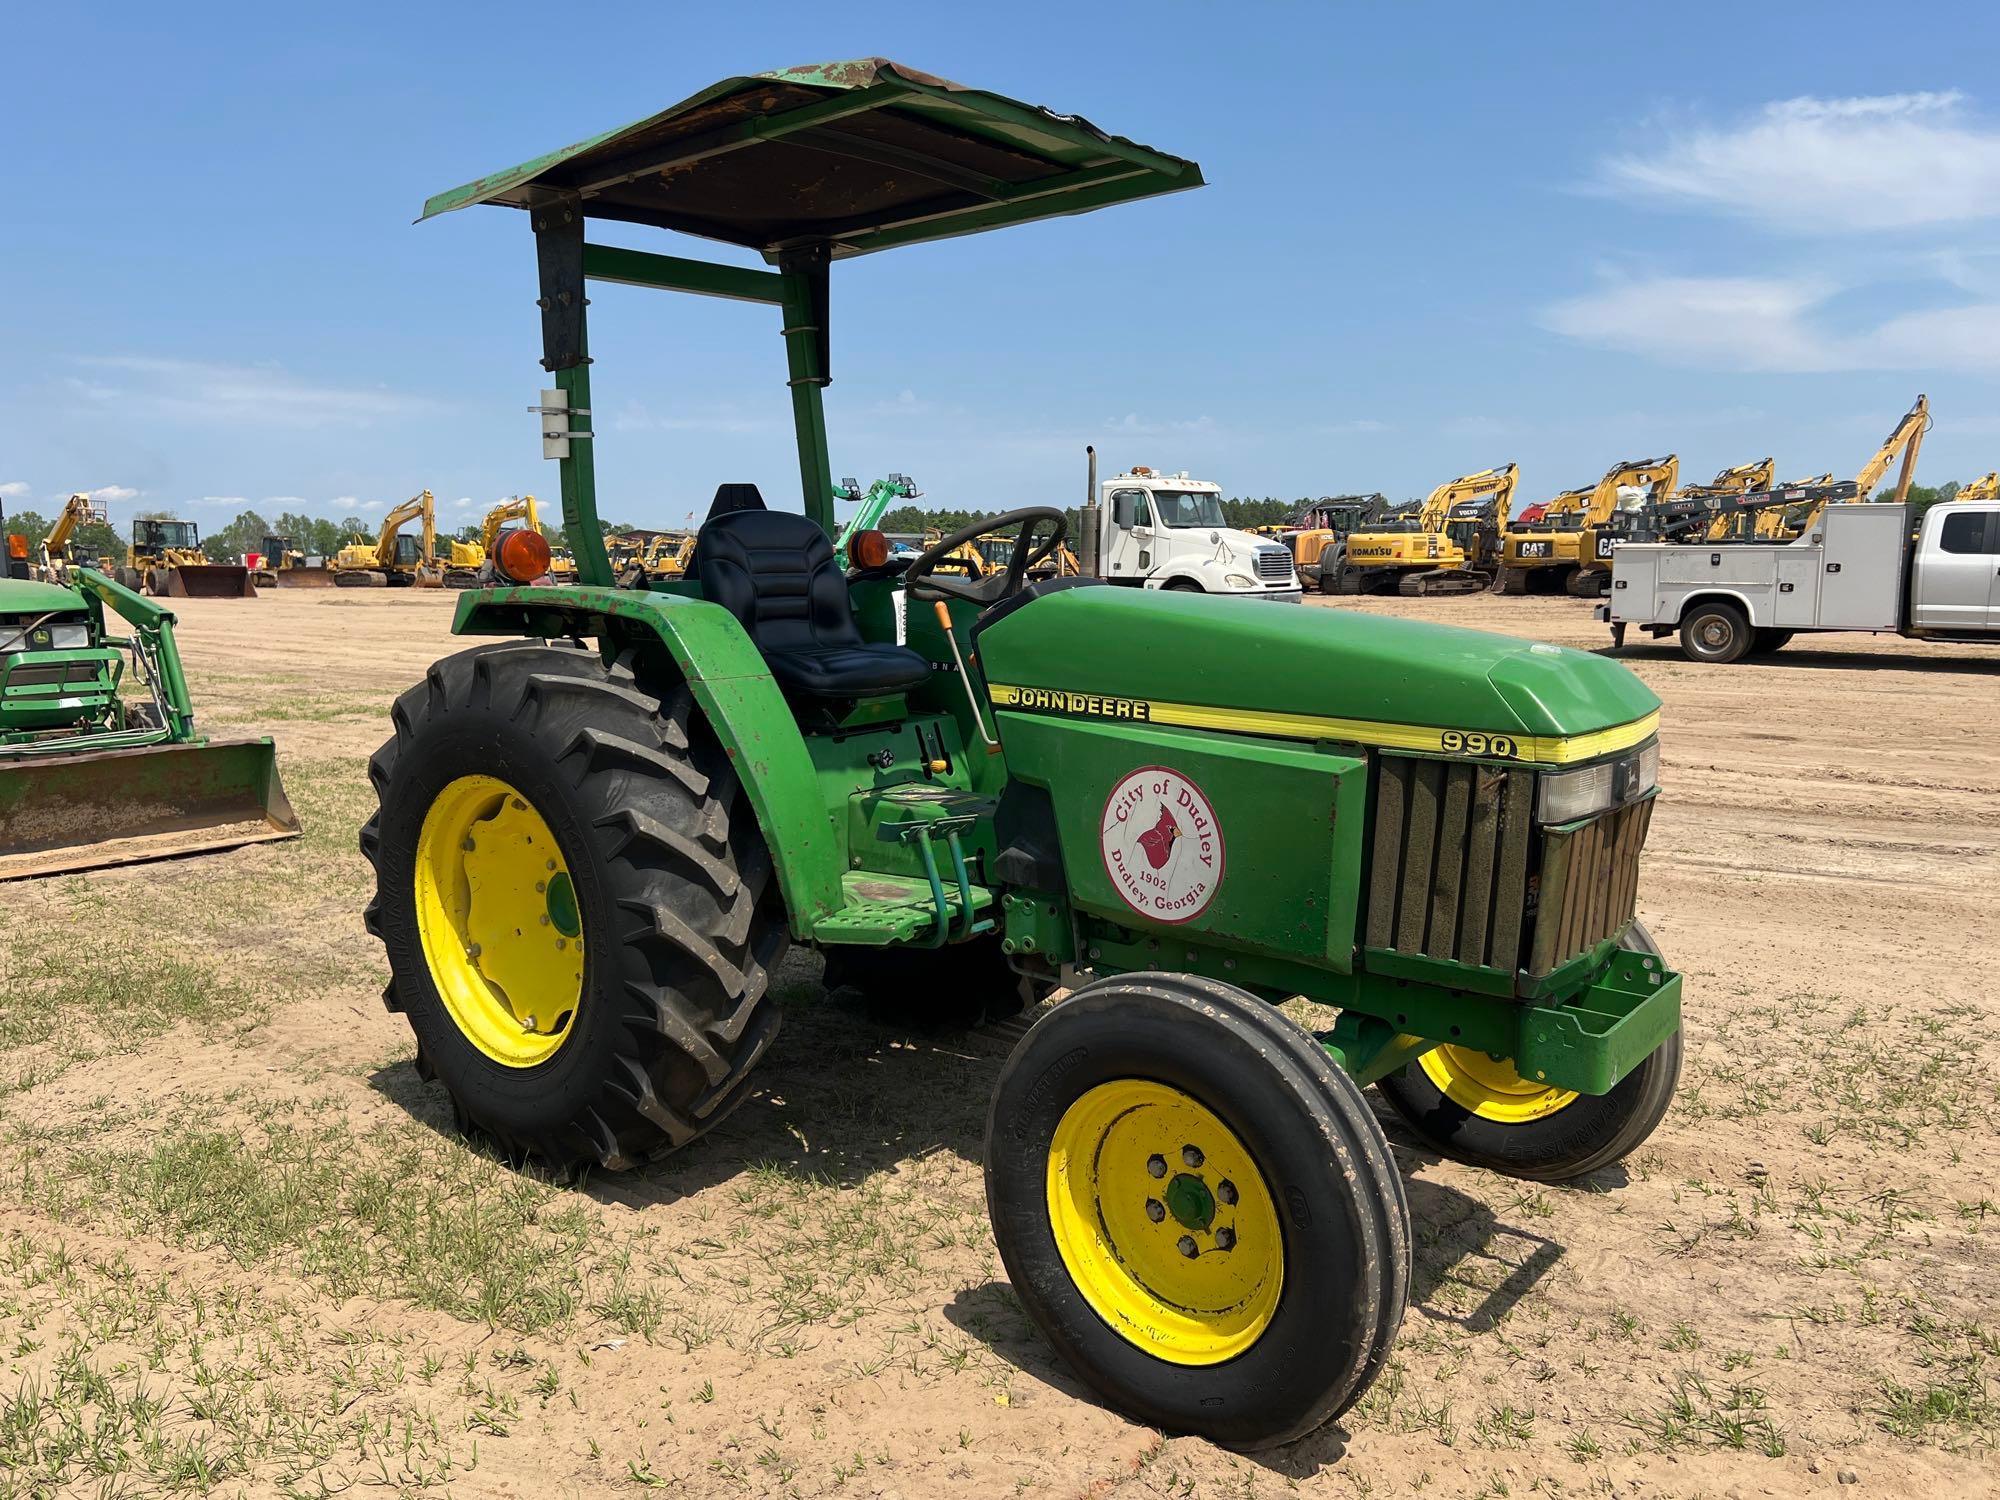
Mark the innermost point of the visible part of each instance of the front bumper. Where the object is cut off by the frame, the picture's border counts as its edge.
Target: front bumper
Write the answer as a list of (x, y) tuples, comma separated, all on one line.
[(1273, 596), (1593, 1039)]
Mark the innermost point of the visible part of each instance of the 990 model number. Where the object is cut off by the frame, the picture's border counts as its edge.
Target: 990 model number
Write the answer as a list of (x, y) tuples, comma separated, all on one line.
[(1472, 742)]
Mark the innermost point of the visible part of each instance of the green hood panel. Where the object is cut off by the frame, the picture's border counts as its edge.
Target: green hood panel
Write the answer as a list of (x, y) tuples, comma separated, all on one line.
[(1283, 670), (23, 596)]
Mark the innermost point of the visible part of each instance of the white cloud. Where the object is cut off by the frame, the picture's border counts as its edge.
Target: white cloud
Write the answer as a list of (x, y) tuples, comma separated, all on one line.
[(14, 489), (1891, 161), (262, 395), (274, 501), (222, 500), (1772, 324), (1354, 425), (1134, 424), (115, 492)]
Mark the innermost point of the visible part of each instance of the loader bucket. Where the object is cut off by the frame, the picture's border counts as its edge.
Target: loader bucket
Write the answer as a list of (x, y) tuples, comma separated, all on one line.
[(61, 813), (211, 581), (305, 578)]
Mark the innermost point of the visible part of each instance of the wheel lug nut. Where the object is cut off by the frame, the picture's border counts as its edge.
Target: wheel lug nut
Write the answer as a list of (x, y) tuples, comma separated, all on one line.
[(1156, 1165), (1192, 1156), (469, 846), (541, 887), (1225, 1239), (472, 950), (1226, 1190), (1187, 1246), (1155, 1210)]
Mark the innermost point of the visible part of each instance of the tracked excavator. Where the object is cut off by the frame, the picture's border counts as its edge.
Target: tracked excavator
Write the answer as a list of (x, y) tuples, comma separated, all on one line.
[(1569, 549), (1316, 535), (393, 559), (1449, 544)]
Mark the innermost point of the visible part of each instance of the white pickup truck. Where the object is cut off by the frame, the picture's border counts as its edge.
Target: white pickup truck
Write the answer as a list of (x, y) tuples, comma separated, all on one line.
[(1166, 531), (1856, 568)]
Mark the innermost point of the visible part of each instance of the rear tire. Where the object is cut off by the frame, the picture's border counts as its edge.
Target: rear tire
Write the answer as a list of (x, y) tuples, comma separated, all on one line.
[(1573, 1134), (1715, 632), (679, 917), (1251, 1350)]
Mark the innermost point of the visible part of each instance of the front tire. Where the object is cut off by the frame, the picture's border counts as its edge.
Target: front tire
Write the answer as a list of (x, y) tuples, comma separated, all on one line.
[(1715, 632), (532, 798), (1197, 1208), (1769, 640), (1184, 586), (1478, 1110)]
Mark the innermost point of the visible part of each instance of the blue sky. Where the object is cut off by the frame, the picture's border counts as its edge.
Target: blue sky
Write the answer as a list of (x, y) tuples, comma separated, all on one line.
[(1436, 238)]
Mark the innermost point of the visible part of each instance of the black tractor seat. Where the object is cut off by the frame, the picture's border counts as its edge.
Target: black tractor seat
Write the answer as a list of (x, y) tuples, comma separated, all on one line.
[(776, 572)]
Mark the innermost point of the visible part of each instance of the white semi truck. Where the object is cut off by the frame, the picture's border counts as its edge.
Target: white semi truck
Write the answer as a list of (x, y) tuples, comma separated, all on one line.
[(1855, 567), (1166, 531)]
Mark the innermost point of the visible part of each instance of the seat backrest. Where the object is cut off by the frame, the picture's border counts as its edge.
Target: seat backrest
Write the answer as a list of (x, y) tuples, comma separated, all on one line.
[(776, 572)]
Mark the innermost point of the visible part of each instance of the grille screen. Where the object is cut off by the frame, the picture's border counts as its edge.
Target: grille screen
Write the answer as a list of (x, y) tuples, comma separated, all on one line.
[(1460, 871)]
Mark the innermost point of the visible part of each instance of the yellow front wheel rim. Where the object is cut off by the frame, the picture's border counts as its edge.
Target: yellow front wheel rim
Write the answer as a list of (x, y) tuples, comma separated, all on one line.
[(498, 920), (1490, 1088), (1164, 1222)]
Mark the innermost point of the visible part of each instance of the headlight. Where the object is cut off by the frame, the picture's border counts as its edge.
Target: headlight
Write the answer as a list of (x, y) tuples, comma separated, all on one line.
[(1588, 790), (12, 641), (70, 637), (1238, 581)]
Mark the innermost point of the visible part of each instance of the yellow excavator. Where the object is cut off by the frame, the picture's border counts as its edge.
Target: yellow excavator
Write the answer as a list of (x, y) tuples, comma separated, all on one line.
[(166, 561), (1569, 549), (1986, 487), (465, 565), (54, 561), (1738, 479), (1904, 441), (665, 556), (394, 560), (1449, 545)]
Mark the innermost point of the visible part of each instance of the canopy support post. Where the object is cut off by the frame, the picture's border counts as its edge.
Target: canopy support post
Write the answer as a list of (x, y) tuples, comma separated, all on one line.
[(565, 340), (804, 277)]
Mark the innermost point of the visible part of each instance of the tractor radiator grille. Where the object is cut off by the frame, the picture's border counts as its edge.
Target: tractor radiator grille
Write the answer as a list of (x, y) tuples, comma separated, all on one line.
[(58, 674), (1589, 884), (1274, 564), (1461, 873)]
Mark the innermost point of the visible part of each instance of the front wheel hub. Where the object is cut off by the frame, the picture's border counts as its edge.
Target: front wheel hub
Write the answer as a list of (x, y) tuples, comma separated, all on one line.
[(499, 922), (1184, 1260)]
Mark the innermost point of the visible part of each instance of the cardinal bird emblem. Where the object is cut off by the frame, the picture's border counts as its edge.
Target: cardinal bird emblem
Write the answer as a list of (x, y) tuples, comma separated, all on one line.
[(1158, 841)]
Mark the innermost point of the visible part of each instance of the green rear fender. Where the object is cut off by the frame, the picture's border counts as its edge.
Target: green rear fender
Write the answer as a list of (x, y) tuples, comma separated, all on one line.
[(735, 689)]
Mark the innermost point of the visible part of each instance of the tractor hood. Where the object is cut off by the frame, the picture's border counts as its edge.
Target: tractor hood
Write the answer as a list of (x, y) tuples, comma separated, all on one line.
[(22, 596), (1239, 665)]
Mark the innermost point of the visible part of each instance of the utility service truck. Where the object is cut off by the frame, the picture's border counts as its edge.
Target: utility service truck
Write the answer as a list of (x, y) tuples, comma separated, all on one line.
[(1167, 531), (1860, 567)]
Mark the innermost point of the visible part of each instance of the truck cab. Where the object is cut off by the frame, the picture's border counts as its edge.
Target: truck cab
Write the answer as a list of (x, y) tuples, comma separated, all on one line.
[(1168, 531)]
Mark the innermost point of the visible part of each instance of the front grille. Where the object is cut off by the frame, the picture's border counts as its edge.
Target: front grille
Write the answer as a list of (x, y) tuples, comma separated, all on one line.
[(1461, 873), (55, 674), (1274, 564), (1589, 884)]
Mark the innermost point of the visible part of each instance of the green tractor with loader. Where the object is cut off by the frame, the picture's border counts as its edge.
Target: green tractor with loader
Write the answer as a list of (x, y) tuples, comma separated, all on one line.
[(100, 760), (600, 828)]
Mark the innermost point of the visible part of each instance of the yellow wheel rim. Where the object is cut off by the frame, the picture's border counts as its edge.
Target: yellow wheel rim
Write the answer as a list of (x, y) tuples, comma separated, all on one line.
[(1490, 1088), (497, 915), (1164, 1222)]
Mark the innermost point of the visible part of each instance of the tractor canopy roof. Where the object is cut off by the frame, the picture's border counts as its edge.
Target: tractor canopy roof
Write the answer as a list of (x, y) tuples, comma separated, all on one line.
[(857, 156)]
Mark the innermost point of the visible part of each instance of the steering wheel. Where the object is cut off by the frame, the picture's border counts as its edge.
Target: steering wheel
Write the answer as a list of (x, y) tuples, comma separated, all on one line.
[(925, 582)]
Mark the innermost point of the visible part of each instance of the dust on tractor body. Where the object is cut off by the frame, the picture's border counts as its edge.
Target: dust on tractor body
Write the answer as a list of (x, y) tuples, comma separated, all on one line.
[(590, 857), (100, 760)]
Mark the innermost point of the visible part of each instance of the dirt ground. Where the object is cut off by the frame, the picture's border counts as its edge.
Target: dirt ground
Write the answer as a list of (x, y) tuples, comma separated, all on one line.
[(242, 1252)]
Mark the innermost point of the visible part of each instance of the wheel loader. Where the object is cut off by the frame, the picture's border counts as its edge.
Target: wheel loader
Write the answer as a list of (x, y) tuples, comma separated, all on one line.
[(166, 561), (600, 828), (100, 760)]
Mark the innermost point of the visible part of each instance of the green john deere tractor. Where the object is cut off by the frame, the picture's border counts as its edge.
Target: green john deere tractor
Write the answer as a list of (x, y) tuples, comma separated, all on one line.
[(599, 831), (100, 760)]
